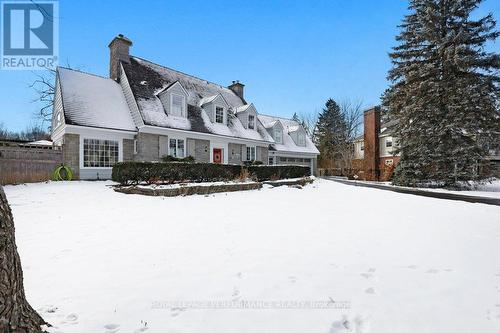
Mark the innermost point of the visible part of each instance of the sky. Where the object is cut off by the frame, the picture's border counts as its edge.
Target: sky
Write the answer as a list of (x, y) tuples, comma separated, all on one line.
[(291, 55)]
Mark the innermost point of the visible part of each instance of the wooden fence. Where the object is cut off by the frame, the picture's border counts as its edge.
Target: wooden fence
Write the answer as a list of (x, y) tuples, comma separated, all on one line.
[(25, 163)]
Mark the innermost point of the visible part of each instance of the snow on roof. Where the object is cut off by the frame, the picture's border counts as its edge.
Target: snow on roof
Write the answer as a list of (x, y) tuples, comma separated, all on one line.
[(242, 108), (41, 143), (95, 101), (288, 143), (147, 78)]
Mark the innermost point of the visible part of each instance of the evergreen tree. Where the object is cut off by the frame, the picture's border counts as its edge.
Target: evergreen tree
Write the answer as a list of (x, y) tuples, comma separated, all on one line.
[(444, 92), (296, 118), (330, 130)]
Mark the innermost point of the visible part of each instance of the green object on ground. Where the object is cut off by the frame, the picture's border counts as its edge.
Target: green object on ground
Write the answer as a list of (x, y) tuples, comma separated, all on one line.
[(62, 173)]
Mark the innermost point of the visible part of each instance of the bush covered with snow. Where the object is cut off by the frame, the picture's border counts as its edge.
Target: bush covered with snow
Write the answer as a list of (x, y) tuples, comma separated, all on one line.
[(148, 172)]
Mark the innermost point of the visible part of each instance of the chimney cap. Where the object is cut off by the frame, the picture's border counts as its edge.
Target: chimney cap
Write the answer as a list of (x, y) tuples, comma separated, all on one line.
[(121, 38), (236, 82)]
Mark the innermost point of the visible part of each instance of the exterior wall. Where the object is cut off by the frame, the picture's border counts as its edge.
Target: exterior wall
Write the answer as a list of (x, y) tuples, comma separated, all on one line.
[(387, 166), (199, 149), (386, 151), (58, 111), (359, 152), (71, 153), (128, 150), (148, 147), (371, 139), (235, 153), (262, 154), (209, 108)]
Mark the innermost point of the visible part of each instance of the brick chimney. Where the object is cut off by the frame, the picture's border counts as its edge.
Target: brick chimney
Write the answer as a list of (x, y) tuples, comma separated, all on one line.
[(118, 51), (237, 88), (372, 148)]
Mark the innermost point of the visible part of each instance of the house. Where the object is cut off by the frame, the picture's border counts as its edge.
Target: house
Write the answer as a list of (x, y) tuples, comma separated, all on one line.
[(375, 154), (145, 111)]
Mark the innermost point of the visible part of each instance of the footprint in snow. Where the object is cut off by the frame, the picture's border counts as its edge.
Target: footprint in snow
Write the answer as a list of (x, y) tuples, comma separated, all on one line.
[(292, 279), (174, 312), (370, 290), (142, 329), (412, 267), (357, 325), (111, 328), (72, 319), (366, 275), (432, 271)]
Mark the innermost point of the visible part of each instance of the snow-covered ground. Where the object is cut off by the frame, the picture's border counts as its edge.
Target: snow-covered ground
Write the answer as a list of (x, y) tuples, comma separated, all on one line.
[(99, 261)]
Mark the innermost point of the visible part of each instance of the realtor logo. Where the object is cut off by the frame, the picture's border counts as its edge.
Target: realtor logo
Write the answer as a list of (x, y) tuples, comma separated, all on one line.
[(29, 35)]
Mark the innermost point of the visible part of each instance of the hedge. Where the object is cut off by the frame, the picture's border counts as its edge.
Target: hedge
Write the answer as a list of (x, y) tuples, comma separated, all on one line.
[(152, 172)]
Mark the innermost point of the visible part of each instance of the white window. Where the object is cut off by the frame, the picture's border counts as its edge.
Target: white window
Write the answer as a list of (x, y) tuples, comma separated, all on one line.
[(251, 121), (278, 135), (219, 115), (58, 119), (135, 147), (177, 105), (271, 160), (302, 139), (99, 153), (388, 143), (176, 147), (362, 146), (250, 153)]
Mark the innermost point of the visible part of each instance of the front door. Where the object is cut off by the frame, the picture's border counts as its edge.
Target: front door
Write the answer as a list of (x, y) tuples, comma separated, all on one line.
[(217, 155)]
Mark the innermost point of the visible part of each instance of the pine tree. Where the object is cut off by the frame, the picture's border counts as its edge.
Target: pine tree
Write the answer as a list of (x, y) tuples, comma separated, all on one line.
[(295, 117), (330, 130), (444, 92)]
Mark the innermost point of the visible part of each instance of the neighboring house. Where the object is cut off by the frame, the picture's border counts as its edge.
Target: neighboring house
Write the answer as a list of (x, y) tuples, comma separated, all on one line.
[(145, 111), (374, 151)]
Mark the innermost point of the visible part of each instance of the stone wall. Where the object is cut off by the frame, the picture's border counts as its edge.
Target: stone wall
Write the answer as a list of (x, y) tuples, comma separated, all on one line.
[(199, 149), (235, 153), (128, 150), (262, 154), (148, 147), (71, 153)]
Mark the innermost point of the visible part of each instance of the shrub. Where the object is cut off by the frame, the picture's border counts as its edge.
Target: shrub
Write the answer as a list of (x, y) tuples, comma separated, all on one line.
[(263, 173), (151, 172), (168, 158), (250, 163)]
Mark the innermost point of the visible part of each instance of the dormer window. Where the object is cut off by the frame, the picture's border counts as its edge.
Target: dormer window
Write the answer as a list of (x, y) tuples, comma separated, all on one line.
[(177, 103), (219, 114), (278, 135), (251, 121), (302, 139)]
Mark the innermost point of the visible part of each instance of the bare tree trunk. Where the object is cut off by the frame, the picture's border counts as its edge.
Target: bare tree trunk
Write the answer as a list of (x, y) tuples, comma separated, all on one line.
[(16, 315)]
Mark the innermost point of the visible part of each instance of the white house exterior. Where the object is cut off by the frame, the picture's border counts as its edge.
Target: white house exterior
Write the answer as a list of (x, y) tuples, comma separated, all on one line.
[(145, 111)]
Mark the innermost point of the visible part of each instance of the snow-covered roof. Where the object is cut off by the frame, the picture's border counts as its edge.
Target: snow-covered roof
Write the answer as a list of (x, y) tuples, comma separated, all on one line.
[(95, 101), (146, 79), (41, 143), (288, 143)]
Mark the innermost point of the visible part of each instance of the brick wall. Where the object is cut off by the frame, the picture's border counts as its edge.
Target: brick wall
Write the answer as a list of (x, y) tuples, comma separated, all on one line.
[(128, 150), (371, 138)]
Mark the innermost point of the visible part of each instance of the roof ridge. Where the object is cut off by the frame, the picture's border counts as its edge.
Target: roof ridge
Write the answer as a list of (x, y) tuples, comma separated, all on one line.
[(87, 73), (183, 73), (278, 117)]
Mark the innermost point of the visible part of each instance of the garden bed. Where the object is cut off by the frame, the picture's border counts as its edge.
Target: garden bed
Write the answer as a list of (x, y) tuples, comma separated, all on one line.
[(183, 189)]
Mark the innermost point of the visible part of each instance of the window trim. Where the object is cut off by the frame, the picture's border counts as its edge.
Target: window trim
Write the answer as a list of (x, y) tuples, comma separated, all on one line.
[(303, 136), (177, 139), (253, 122), (223, 114), (254, 153), (183, 105), (276, 130), (82, 151)]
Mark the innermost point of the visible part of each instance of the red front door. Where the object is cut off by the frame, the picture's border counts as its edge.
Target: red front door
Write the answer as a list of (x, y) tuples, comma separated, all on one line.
[(217, 155)]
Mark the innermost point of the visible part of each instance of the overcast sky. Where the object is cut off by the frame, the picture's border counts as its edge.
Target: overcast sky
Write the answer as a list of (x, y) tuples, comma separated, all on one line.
[(291, 55)]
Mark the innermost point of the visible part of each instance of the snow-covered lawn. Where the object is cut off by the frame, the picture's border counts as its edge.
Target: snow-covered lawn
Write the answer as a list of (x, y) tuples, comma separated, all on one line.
[(97, 261)]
